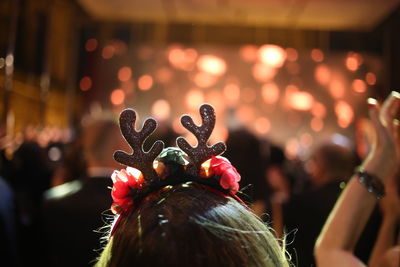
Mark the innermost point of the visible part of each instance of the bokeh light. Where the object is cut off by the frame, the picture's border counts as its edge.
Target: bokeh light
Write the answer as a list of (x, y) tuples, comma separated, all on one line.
[(161, 109), (270, 93), (117, 97), (318, 110), (248, 53), (124, 74), (85, 83), (263, 72), (232, 93), (344, 114), (262, 125), (370, 78), (145, 82), (316, 124), (91, 45), (317, 55), (194, 98), (359, 86), (337, 88), (108, 51), (272, 55), (291, 54), (322, 74), (211, 64), (204, 79)]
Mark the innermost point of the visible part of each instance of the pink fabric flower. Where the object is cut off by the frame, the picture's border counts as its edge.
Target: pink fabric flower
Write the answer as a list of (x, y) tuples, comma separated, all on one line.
[(229, 176), (125, 181)]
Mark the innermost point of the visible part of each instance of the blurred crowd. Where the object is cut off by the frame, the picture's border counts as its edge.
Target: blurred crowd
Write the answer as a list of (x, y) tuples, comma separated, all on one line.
[(55, 191)]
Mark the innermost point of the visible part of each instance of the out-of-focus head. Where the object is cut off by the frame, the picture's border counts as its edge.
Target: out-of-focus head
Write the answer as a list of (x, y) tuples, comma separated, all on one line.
[(189, 225), (330, 162), (100, 138)]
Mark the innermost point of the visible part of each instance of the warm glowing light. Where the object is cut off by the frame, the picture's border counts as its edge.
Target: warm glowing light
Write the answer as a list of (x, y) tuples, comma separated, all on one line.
[(248, 95), (293, 68), (353, 61), (91, 45), (117, 97), (344, 114), (292, 148), (270, 93), (318, 110), (164, 75), (299, 100), (317, 55), (177, 126), (128, 86), (246, 114), (108, 52), (291, 54), (263, 72), (182, 58), (316, 124), (211, 64), (145, 82), (262, 125), (248, 53), (272, 55), (204, 79), (85, 83), (370, 78), (359, 86), (232, 93), (322, 74), (124, 74), (194, 98), (337, 88), (161, 109)]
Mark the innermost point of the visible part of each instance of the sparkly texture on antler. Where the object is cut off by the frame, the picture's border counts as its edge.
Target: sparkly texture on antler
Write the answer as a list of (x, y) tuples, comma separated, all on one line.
[(202, 151), (139, 159)]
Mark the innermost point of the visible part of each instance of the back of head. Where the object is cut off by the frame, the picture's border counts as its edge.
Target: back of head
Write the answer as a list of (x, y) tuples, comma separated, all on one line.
[(190, 225)]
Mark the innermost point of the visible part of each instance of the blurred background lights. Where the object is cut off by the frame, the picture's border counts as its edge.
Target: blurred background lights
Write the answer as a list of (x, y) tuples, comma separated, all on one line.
[(370, 78), (318, 110), (300, 100), (248, 53), (211, 64), (91, 45), (344, 114), (270, 93), (291, 54), (194, 98), (322, 74), (108, 52), (85, 83), (204, 79), (145, 82), (353, 61), (117, 97), (182, 58), (263, 73), (161, 109), (272, 55), (232, 93), (316, 124), (317, 55), (337, 88), (124, 74), (359, 86), (262, 125)]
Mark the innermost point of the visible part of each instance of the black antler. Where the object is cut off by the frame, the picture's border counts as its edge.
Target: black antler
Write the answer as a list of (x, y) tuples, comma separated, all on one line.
[(139, 159), (202, 151)]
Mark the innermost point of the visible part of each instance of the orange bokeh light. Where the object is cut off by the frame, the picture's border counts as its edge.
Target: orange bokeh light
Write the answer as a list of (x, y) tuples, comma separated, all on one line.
[(344, 114), (117, 97), (248, 53), (322, 74), (359, 86), (263, 72), (262, 125), (316, 124), (353, 61), (108, 52), (164, 75), (182, 58), (370, 78), (318, 110), (145, 82), (317, 55), (291, 54), (298, 100), (85, 83), (91, 45), (194, 98), (204, 79), (272, 55), (337, 88), (232, 93), (161, 109), (124, 74), (270, 93), (211, 64), (246, 114)]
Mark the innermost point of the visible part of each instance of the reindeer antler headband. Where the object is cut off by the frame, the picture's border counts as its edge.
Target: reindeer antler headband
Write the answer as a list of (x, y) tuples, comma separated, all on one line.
[(150, 171)]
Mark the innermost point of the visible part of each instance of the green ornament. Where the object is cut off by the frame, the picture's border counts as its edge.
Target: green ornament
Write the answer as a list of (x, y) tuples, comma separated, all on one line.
[(173, 155)]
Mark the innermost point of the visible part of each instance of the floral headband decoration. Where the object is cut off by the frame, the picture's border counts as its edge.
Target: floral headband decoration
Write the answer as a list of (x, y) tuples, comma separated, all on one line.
[(151, 171)]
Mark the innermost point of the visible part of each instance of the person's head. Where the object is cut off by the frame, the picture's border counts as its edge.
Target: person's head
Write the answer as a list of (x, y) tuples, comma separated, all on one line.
[(330, 162), (190, 225), (100, 139)]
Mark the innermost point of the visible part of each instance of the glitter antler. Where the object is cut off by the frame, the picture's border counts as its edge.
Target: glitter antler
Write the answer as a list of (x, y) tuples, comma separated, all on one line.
[(139, 159), (202, 151)]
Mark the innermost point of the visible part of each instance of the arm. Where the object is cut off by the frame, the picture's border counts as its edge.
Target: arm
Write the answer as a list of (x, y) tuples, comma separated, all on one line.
[(348, 218)]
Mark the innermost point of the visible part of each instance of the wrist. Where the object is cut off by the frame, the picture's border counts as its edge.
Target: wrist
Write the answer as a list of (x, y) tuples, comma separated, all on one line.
[(370, 181)]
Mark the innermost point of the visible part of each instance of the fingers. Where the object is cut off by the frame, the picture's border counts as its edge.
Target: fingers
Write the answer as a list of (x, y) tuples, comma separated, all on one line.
[(390, 109), (374, 109)]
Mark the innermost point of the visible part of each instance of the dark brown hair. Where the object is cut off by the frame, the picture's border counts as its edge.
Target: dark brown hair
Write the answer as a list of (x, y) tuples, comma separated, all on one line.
[(189, 225)]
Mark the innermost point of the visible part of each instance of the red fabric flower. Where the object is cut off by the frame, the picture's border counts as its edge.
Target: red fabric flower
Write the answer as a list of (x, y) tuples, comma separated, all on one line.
[(229, 176), (125, 181)]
